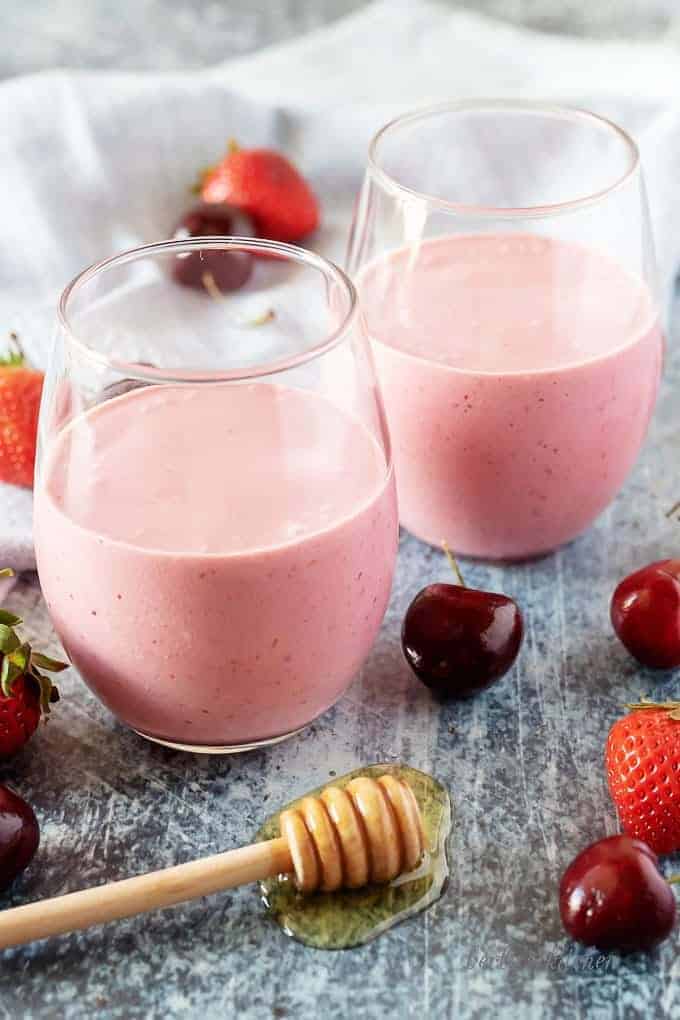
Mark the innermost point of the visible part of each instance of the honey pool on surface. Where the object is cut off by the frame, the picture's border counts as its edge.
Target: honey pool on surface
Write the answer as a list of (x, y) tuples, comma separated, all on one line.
[(349, 918)]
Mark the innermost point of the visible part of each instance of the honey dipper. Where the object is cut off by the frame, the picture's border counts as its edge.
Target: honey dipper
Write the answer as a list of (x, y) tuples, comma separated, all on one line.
[(369, 831)]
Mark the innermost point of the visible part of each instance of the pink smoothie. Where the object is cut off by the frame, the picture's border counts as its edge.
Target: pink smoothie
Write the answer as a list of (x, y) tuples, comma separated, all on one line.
[(216, 560), (519, 375)]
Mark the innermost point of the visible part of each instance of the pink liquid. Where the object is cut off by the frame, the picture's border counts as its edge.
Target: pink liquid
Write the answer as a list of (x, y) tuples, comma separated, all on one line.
[(519, 375), (217, 561)]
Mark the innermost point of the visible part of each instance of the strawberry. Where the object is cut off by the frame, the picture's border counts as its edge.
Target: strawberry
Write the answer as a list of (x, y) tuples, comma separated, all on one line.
[(25, 691), (266, 186), (20, 391), (643, 772)]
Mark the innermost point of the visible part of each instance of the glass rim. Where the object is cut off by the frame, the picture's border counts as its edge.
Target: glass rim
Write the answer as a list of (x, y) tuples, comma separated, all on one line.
[(289, 252), (502, 212)]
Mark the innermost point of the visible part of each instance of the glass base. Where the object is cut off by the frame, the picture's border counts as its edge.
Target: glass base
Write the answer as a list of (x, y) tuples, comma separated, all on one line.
[(219, 748), (485, 557)]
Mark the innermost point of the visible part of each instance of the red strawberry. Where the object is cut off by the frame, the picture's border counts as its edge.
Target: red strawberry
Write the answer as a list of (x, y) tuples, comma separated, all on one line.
[(19, 716), (267, 186), (20, 390), (643, 772), (25, 692)]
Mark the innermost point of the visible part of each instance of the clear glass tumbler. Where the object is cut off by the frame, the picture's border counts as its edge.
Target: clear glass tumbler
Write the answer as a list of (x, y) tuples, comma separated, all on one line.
[(504, 264), (215, 514)]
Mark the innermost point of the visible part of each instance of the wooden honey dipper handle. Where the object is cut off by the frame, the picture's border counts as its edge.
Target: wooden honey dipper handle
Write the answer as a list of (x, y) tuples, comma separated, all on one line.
[(138, 895), (370, 831)]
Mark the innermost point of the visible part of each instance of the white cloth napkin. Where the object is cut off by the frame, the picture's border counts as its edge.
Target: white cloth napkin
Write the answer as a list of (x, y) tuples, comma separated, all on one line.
[(96, 162)]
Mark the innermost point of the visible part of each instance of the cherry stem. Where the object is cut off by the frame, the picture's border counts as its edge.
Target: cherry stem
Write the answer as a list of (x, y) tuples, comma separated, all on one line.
[(673, 880), (453, 563), (264, 317), (208, 281), (6, 572), (676, 506), (232, 146)]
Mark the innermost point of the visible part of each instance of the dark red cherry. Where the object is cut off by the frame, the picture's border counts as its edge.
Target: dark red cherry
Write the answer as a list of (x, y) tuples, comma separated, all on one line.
[(458, 640), (645, 613), (613, 896), (19, 836), (214, 272)]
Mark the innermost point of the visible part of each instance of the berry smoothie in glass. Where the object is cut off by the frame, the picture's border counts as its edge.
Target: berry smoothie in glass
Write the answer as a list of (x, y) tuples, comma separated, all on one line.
[(216, 535), (508, 287)]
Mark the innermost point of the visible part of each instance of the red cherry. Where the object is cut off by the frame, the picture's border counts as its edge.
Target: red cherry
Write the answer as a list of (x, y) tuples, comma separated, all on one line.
[(19, 836), (613, 896), (213, 270), (645, 613), (458, 640)]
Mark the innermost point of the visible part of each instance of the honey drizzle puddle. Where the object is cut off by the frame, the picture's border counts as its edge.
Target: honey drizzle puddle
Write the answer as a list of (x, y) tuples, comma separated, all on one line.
[(349, 918)]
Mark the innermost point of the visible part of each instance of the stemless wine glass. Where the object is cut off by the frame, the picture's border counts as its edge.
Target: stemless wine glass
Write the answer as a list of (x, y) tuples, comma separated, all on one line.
[(215, 517), (504, 264)]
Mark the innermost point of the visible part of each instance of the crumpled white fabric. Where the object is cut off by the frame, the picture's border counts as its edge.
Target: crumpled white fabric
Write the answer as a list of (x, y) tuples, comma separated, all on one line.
[(96, 162)]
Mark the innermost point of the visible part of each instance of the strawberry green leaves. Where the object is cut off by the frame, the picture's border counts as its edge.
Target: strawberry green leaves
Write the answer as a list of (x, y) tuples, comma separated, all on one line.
[(45, 662), (17, 659), (9, 641), (14, 665), (9, 619)]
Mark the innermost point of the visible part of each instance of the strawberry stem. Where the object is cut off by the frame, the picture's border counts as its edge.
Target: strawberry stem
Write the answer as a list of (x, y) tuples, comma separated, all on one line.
[(672, 708), (16, 357), (637, 706), (201, 178), (453, 563)]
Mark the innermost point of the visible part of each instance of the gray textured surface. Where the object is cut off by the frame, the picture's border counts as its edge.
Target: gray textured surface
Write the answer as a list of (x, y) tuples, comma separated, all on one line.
[(523, 761)]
